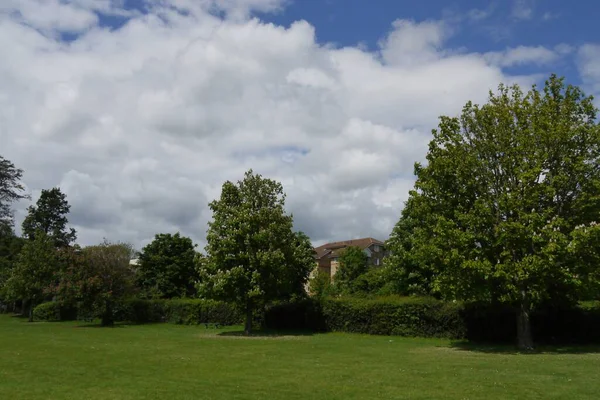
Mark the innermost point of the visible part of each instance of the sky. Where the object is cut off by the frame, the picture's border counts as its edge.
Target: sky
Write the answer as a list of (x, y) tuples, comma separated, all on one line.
[(139, 110)]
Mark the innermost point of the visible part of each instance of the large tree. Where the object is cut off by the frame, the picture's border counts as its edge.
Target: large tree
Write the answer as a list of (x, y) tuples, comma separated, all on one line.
[(35, 272), (166, 267), (253, 256), (98, 278), (506, 207), (49, 216), (11, 190)]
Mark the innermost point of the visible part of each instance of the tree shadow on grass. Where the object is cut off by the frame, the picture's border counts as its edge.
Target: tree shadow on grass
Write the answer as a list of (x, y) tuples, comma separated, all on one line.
[(512, 349), (98, 325), (265, 334)]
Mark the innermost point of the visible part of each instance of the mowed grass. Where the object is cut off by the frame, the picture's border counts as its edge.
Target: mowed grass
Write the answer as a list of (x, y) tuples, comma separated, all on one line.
[(72, 361)]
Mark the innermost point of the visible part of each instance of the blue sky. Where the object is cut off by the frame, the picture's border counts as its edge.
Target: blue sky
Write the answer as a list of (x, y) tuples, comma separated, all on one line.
[(141, 109)]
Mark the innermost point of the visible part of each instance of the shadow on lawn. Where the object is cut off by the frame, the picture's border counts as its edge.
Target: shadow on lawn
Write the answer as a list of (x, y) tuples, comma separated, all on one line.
[(511, 349), (265, 334)]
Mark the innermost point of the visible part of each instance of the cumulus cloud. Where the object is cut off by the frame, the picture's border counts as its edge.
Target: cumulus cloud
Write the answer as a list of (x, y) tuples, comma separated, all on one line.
[(520, 55), (522, 9), (589, 66), (142, 124)]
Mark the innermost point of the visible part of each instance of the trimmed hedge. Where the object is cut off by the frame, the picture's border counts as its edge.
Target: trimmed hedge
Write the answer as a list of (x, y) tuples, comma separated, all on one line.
[(186, 312), (425, 317), (54, 311)]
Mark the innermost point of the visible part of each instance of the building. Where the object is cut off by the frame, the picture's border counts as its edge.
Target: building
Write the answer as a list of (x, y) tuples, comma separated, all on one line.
[(327, 255)]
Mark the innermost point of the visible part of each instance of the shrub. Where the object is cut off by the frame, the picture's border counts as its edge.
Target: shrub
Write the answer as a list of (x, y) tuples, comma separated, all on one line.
[(187, 312), (304, 314), (54, 311)]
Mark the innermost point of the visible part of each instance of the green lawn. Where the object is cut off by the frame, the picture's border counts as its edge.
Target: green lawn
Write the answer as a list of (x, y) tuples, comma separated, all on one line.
[(71, 361)]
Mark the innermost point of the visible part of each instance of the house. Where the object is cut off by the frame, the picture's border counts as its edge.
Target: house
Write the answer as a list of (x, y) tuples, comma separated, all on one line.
[(327, 255)]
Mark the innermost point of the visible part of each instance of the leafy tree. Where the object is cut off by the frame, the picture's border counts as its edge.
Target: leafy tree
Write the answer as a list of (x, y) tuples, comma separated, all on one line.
[(166, 267), (34, 273), (353, 263), (320, 284), (98, 279), (11, 190), (302, 262), (506, 207), (50, 217), (10, 247), (252, 254)]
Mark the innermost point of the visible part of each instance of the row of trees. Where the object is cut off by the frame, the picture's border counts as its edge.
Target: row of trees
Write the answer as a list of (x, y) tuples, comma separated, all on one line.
[(253, 255), (504, 211)]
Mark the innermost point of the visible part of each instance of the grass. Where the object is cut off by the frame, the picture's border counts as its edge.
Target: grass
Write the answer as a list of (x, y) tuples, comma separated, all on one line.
[(72, 361)]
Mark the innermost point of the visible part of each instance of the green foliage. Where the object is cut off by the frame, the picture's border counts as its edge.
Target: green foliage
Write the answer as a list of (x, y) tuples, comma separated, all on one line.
[(98, 279), (166, 267), (353, 263), (49, 216), (54, 311), (10, 247), (11, 190), (186, 312), (506, 207), (35, 272), (253, 256), (320, 284)]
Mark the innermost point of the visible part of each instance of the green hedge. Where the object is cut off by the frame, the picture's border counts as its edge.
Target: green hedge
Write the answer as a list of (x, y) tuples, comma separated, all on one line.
[(54, 311), (187, 312), (425, 317)]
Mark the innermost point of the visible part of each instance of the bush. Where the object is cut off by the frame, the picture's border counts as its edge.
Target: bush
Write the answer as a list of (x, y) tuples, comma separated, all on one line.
[(54, 311), (388, 316), (187, 312), (426, 317)]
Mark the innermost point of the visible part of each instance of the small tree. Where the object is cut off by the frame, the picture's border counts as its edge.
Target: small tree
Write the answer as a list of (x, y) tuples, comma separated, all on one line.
[(166, 267), (50, 217), (99, 279), (506, 209), (36, 270), (11, 190), (353, 263), (252, 254), (320, 284)]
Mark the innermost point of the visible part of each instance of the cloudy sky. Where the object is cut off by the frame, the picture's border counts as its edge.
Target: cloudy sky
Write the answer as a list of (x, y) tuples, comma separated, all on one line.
[(140, 109)]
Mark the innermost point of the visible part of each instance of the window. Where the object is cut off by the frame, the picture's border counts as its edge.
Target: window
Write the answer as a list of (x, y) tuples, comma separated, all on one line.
[(376, 248), (377, 261)]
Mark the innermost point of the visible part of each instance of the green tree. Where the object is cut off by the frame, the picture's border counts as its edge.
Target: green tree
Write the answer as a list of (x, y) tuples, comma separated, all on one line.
[(252, 254), (166, 267), (11, 190), (50, 217), (320, 284), (98, 278), (35, 272), (353, 263), (10, 247), (506, 207)]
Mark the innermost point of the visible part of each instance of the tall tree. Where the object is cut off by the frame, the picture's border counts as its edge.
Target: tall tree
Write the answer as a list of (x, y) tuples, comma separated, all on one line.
[(11, 190), (98, 279), (35, 272), (10, 247), (50, 217), (166, 267), (252, 254), (506, 207)]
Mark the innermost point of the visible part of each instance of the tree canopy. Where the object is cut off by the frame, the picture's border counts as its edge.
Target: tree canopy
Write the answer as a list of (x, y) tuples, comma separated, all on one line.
[(11, 190), (167, 268), (353, 263), (506, 207), (253, 256), (49, 216)]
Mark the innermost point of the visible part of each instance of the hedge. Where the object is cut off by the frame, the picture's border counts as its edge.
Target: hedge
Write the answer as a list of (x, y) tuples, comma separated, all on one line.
[(187, 312), (425, 317), (54, 311)]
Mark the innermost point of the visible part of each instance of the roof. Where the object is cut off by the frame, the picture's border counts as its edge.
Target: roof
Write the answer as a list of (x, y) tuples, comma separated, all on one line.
[(333, 249)]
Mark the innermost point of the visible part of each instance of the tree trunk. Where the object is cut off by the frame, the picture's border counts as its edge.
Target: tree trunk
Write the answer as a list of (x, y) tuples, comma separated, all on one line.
[(248, 325), (524, 338), (107, 316), (31, 310)]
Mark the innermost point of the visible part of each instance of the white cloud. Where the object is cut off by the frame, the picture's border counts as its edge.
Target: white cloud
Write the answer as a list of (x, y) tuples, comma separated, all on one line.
[(589, 66), (522, 9), (141, 125), (526, 55)]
